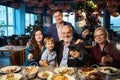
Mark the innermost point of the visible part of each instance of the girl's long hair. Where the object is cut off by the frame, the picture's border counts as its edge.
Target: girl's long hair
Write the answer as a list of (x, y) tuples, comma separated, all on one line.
[(36, 50)]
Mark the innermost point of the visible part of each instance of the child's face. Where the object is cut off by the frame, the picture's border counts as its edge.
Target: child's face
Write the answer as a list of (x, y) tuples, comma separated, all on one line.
[(49, 45)]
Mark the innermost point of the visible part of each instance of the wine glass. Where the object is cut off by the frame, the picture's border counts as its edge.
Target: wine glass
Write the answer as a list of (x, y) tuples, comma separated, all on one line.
[(72, 50), (104, 54), (70, 56), (25, 74), (34, 63)]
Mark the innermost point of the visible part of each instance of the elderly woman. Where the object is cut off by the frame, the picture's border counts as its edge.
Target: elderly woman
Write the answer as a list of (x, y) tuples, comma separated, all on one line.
[(104, 52)]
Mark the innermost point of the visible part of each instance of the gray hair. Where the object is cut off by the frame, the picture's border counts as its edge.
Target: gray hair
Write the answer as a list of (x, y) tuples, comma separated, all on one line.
[(67, 26), (104, 30)]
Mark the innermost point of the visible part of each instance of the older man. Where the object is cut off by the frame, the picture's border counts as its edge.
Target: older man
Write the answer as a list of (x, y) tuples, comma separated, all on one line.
[(67, 56)]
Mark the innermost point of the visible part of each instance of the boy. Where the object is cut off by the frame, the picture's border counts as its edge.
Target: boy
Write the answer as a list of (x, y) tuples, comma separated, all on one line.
[(48, 57)]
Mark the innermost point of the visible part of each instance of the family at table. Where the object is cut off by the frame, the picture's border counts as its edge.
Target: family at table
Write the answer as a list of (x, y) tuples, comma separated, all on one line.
[(62, 46)]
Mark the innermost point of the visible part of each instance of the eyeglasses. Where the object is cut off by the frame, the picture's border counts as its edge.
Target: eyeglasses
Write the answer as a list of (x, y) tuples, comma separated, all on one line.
[(100, 35), (66, 32)]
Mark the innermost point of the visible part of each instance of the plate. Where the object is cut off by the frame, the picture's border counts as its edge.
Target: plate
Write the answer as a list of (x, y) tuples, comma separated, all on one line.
[(44, 74), (85, 72), (31, 69), (108, 70), (64, 70), (60, 77), (10, 69), (13, 76)]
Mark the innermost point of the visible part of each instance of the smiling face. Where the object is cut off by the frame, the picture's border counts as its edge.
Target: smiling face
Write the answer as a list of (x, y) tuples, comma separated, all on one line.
[(100, 36), (58, 17), (38, 36), (66, 34), (50, 45)]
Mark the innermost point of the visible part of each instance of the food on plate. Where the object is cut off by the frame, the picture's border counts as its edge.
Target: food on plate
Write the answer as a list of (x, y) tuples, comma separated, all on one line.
[(109, 70), (64, 70), (10, 69), (11, 77), (88, 70), (94, 76), (59, 77), (44, 74), (85, 71), (31, 69)]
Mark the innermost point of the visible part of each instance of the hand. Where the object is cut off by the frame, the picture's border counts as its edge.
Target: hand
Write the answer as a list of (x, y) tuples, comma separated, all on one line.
[(109, 59), (75, 54), (106, 59), (85, 33), (78, 41), (44, 63), (30, 56), (28, 43)]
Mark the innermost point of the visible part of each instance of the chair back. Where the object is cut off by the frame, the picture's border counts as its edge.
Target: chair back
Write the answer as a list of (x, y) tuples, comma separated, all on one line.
[(17, 58)]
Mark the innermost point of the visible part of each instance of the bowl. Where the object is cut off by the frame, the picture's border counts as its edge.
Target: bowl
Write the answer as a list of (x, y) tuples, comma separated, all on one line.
[(30, 71), (44, 74), (84, 72)]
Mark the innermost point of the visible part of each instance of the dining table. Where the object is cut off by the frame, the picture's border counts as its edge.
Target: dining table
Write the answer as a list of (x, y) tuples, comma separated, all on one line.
[(75, 75), (16, 52), (12, 48)]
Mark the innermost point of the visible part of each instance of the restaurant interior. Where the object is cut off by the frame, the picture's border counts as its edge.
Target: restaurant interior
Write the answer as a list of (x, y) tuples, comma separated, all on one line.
[(19, 18)]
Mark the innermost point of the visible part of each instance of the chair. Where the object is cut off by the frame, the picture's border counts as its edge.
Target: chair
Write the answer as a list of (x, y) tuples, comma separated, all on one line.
[(17, 58), (2, 42)]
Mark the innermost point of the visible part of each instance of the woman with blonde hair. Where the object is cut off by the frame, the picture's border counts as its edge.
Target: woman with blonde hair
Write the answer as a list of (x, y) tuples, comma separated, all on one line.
[(104, 52)]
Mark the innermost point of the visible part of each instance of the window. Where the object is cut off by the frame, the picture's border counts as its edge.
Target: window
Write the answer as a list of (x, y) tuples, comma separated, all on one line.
[(6, 20), (115, 23), (30, 19)]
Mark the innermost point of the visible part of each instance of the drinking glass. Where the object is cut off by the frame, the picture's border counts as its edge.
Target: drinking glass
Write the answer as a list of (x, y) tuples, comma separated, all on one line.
[(104, 53), (70, 56), (25, 74), (33, 63)]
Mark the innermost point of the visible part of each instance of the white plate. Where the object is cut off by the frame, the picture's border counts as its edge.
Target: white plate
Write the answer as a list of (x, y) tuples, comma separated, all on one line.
[(68, 77), (42, 73), (64, 70), (17, 76), (10, 69), (107, 70)]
